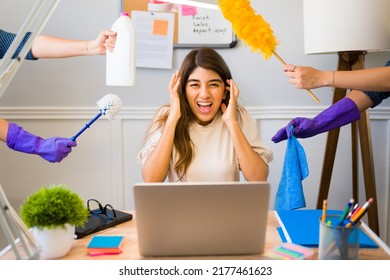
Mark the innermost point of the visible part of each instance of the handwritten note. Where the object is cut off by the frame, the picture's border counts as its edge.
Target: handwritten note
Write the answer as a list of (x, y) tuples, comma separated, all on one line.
[(203, 27)]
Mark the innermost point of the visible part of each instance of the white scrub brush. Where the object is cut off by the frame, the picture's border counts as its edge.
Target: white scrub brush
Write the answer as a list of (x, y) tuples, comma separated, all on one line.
[(109, 105)]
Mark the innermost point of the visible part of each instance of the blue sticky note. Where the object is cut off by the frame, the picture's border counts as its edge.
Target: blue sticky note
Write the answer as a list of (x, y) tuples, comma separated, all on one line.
[(103, 241)]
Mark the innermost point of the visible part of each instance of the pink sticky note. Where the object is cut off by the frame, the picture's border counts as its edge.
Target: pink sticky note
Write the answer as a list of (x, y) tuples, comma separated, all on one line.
[(188, 10)]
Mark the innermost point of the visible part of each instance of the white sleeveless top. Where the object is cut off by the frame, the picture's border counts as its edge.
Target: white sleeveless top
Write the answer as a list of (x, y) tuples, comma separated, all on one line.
[(215, 157)]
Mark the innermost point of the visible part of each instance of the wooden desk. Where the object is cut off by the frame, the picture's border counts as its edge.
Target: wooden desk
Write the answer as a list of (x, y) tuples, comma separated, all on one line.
[(130, 251)]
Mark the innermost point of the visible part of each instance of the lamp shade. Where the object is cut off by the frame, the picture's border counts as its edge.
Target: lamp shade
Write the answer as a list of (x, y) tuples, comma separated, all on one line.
[(346, 25)]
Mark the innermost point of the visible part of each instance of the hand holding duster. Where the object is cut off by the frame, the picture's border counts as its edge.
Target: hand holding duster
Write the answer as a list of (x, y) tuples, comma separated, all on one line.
[(252, 29)]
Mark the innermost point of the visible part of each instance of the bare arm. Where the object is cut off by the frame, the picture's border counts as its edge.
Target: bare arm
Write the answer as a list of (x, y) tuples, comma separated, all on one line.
[(252, 165), (155, 168), (362, 101), (373, 79), (3, 130), (55, 47)]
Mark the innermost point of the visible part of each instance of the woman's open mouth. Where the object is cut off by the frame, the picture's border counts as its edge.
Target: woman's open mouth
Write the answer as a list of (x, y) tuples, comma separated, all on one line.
[(204, 107)]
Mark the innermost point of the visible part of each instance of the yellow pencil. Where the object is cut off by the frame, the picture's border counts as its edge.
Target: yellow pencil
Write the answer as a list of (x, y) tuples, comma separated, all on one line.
[(360, 213), (324, 206)]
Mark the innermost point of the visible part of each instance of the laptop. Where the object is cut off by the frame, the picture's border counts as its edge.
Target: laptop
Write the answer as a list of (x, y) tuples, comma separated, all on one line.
[(202, 218)]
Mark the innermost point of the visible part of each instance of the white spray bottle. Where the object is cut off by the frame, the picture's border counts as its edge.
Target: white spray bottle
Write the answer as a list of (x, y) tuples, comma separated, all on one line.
[(120, 63)]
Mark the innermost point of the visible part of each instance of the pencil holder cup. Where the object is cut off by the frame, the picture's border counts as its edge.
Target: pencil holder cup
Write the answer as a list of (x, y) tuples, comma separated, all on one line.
[(337, 242)]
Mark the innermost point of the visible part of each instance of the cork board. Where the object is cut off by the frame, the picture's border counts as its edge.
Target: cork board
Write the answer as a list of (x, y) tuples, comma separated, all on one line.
[(194, 26)]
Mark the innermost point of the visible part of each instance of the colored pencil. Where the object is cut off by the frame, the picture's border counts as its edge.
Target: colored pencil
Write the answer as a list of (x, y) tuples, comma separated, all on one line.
[(324, 207), (346, 211)]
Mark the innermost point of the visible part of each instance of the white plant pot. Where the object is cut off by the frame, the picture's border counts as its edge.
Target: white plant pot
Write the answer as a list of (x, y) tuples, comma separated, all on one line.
[(54, 243)]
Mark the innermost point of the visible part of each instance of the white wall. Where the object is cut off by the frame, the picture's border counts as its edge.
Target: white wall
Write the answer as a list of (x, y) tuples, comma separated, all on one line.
[(57, 97)]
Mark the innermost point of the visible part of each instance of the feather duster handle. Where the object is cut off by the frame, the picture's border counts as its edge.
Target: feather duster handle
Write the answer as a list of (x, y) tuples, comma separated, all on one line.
[(252, 29), (109, 105)]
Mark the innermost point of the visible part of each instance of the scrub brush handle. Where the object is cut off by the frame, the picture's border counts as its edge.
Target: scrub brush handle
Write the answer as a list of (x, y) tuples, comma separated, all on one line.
[(86, 126)]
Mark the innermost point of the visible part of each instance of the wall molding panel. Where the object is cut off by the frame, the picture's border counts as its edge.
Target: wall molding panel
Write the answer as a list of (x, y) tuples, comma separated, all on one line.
[(139, 113), (103, 165)]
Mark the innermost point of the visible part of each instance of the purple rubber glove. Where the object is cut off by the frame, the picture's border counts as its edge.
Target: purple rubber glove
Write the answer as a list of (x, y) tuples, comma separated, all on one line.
[(52, 149), (341, 113)]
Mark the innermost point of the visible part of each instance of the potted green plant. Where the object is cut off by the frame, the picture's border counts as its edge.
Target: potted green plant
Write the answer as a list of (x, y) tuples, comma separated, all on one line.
[(53, 212)]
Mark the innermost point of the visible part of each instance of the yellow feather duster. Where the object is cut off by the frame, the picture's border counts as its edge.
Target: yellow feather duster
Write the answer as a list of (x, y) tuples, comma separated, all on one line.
[(252, 29), (249, 27)]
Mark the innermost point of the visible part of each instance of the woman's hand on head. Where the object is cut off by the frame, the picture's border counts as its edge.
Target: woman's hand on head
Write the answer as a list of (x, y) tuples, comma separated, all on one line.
[(230, 111), (174, 100)]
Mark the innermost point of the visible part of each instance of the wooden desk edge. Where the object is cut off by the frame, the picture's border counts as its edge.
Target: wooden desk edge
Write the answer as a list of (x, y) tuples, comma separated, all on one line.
[(78, 251)]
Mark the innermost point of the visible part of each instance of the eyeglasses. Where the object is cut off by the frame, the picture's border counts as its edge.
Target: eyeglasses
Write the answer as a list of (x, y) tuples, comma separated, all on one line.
[(95, 207)]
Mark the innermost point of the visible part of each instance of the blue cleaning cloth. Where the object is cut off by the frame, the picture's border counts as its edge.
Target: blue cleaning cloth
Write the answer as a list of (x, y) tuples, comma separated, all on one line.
[(295, 169)]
